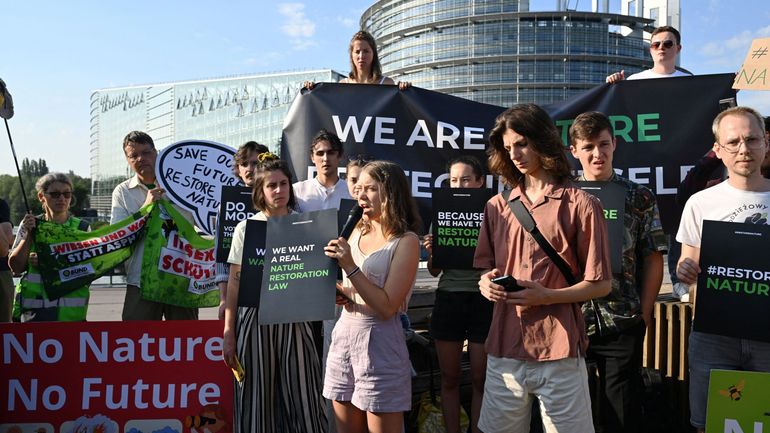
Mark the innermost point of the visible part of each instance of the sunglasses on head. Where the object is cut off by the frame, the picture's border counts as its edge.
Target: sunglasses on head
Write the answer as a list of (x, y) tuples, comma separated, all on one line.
[(57, 194), (668, 43)]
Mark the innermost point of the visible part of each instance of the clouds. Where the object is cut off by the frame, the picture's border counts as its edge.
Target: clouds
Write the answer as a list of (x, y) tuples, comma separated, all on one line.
[(297, 26), (729, 54)]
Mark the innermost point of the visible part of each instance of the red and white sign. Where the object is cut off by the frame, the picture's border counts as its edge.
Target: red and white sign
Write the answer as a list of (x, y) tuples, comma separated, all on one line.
[(114, 377)]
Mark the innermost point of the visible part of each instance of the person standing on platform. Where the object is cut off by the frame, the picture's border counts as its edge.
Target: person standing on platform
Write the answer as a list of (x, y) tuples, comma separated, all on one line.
[(740, 142), (127, 198), (615, 342), (665, 46), (537, 341), (460, 313)]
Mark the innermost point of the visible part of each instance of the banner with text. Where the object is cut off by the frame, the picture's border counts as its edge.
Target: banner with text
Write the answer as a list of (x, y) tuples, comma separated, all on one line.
[(70, 259), (113, 377), (422, 130), (235, 206), (613, 198), (178, 265), (298, 281), (457, 217), (733, 296), (738, 401), (193, 173)]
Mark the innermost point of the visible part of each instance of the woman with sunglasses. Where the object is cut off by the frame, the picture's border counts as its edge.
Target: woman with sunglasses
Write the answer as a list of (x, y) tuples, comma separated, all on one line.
[(31, 304)]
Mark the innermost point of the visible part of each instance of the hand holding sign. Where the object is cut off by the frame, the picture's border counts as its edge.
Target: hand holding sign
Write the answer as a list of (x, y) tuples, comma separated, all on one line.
[(193, 173)]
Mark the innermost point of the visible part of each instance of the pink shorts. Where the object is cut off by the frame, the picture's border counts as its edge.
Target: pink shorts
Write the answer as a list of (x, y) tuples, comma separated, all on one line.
[(368, 364)]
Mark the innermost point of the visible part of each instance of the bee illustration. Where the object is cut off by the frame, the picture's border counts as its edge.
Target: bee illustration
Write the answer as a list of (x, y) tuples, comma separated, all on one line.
[(734, 392)]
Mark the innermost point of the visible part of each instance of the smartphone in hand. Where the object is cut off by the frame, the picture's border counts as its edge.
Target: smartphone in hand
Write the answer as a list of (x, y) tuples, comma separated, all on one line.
[(508, 282)]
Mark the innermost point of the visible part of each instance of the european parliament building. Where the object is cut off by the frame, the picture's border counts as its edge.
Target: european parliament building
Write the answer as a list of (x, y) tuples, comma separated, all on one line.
[(230, 111), (499, 52)]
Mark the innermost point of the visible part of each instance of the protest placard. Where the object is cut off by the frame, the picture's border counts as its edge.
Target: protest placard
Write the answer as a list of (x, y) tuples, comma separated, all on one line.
[(252, 263), (733, 295), (298, 281), (457, 217), (235, 206), (753, 74), (193, 173), (613, 198), (112, 377), (738, 401)]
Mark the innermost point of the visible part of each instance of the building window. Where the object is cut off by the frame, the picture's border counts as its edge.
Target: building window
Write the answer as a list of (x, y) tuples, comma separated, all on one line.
[(654, 13)]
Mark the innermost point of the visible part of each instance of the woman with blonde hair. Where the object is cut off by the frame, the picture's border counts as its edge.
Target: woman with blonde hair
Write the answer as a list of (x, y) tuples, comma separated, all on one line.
[(368, 373)]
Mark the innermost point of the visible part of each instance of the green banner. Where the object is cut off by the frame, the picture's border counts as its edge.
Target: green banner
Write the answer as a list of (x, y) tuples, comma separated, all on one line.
[(70, 258), (738, 401), (178, 267)]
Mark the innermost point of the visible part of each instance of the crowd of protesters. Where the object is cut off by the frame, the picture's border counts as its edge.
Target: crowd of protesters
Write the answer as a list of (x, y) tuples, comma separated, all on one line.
[(527, 346)]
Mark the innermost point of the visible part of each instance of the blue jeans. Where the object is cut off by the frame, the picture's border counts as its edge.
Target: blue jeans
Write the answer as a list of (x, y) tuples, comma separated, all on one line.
[(711, 351)]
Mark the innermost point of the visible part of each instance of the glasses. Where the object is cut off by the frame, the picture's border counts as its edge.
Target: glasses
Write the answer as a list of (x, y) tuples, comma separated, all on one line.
[(667, 44), (751, 143), (57, 194)]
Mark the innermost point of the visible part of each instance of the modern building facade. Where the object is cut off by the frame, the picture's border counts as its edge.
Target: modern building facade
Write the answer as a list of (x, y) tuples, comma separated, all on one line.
[(230, 111), (499, 52)]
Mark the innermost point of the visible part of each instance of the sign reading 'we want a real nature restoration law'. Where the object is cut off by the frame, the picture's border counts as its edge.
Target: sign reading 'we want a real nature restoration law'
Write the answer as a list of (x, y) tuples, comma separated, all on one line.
[(733, 295)]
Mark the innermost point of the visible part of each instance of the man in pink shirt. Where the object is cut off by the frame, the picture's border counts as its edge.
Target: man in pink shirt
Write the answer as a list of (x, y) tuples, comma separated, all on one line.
[(537, 340)]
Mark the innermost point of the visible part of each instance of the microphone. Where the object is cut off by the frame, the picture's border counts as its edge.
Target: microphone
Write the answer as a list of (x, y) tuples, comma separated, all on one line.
[(6, 102), (353, 218)]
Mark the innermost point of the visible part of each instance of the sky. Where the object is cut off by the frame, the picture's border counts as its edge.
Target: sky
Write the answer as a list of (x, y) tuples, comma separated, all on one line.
[(54, 54)]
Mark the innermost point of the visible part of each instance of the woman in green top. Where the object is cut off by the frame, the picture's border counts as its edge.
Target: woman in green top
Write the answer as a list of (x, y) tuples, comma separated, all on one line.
[(460, 313), (31, 304)]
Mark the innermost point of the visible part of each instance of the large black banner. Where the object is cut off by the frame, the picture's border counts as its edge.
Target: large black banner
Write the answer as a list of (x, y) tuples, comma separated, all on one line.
[(733, 295), (663, 126)]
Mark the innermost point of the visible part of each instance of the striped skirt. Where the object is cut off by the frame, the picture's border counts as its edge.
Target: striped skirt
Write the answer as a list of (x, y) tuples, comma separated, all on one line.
[(282, 388)]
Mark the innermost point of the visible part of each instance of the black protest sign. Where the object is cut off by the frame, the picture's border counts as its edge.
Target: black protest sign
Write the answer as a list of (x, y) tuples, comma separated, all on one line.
[(252, 263), (235, 207), (457, 216), (733, 296), (613, 198), (298, 284)]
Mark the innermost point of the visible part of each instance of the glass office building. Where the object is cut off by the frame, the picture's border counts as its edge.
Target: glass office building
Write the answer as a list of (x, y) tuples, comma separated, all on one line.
[(499, 52), (225, 110)]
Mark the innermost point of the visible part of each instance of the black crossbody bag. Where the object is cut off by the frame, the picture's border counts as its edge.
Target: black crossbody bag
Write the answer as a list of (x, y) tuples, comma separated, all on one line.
[(528, 223)]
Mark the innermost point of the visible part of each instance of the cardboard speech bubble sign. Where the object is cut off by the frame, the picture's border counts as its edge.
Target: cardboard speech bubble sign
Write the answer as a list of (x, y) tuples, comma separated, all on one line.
[(753, 75), (193, 173)]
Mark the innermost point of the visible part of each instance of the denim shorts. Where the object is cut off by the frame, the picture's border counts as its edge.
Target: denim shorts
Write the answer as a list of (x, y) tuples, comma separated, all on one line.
[(711, 351)]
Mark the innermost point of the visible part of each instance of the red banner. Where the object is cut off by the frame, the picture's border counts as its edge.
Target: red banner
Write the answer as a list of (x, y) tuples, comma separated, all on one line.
[(114, 377)]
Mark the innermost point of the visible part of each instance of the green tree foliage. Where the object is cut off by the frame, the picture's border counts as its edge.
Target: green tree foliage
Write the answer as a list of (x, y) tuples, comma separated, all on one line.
[(31, 171)]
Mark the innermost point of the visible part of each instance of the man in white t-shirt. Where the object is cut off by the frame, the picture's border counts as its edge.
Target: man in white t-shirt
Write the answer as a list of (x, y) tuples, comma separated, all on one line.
[(741, 145), (324, 191), (665, 46)]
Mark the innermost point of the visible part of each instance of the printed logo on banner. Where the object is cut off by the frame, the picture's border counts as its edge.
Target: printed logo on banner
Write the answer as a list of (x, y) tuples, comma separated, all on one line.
[(735, 281), (76, 272), (193, 173)]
